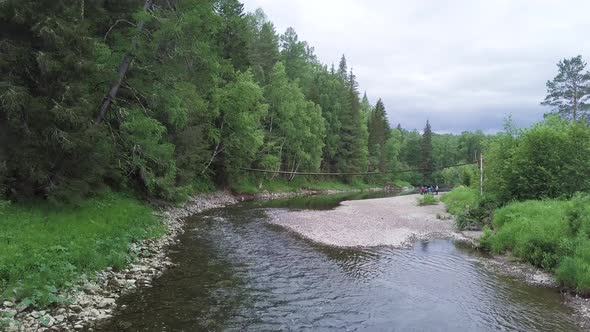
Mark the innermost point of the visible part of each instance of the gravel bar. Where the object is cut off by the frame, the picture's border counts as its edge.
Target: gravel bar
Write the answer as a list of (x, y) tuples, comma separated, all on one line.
[(393, 221)]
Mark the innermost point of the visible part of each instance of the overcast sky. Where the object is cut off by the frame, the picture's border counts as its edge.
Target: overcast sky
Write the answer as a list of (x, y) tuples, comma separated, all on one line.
[(463, 64)]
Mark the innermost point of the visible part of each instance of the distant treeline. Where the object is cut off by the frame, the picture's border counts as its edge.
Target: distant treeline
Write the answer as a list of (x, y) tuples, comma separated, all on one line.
[(165, 98)]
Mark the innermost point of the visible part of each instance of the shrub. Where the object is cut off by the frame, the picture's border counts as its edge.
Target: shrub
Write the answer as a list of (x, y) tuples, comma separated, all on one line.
[(427, 199), (460, 199), (479, 214)]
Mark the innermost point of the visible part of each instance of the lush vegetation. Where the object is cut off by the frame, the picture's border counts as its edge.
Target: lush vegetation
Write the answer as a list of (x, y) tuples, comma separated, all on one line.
[(427, 199), (460, 199), (552, 234), (45, 248), (537, 176), (164, 98)]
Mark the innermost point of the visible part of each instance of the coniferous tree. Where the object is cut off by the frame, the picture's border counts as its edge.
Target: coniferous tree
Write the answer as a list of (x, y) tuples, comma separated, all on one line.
[(353, 152), (569, 91), (233, 35), (427, 163), (379, 135)]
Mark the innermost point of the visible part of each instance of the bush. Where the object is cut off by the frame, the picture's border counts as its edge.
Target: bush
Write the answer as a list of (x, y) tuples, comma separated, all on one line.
[(427, 199), (460, 199), (478, 215), (549, 160)]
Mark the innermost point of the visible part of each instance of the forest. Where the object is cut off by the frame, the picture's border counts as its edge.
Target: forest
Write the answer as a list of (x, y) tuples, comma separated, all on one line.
[(165, 99), (107, 105)]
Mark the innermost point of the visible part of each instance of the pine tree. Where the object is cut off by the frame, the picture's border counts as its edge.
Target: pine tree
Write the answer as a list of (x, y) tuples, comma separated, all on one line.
[(427, 163), (569, 91)]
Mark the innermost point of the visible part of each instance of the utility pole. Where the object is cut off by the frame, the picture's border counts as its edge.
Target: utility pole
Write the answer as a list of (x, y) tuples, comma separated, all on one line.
[(481, 173)]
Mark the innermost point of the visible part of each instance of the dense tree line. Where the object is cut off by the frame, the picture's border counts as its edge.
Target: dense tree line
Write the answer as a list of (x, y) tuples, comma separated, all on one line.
[(167, 97), (191, 92)]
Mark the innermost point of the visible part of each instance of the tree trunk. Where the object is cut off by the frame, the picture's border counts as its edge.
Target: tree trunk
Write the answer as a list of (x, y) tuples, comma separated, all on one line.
[(123, 69)]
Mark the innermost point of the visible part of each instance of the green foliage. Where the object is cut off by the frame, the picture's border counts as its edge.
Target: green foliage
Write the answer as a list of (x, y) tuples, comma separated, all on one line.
[(379, 135), (467, 176), (252, 185), (531, 230), (427, 199), (426, 162), (551, 234), (241, 107), (45, 249), (549, 160), (460, 199), (478, 215), (567, 92)]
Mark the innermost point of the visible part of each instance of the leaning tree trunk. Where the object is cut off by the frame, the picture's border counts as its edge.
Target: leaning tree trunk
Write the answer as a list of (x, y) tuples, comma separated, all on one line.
[(123, 69)]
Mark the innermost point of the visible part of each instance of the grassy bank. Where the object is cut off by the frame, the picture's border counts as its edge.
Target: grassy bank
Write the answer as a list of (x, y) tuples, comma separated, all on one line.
[(460, 199), (251, 185), (44, 249), (550, 234)]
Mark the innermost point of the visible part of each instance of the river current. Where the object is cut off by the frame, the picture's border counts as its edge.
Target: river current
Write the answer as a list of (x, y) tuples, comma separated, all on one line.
[(236, 272)]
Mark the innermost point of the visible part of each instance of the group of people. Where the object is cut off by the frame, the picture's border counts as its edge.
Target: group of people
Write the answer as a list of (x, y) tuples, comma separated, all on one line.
[(429, 190)]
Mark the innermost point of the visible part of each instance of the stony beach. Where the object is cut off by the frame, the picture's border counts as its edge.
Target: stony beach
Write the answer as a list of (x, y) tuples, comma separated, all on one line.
[(393, 221)]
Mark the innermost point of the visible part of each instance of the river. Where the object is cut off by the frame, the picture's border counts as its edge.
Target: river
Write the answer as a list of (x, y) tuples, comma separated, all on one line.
[(237, 272)]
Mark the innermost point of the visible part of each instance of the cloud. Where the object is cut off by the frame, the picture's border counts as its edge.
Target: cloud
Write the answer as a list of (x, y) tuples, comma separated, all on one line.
[(463, 64)]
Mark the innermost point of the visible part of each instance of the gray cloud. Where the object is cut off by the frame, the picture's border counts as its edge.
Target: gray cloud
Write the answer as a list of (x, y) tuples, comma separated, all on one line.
[(463, 64)]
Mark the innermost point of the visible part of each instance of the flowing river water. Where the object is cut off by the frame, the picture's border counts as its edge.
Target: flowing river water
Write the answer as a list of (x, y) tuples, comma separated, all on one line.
[(236, 272)]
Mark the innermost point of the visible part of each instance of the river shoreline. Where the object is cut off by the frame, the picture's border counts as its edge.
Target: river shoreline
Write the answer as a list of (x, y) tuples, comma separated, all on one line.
[(399, 222), (93, 301)]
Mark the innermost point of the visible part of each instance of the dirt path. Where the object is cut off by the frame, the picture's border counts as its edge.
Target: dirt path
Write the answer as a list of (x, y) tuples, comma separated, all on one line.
[(393, 221)]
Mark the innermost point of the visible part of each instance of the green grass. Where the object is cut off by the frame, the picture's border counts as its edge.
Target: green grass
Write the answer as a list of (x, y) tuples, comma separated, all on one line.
[(550, 234), (44, 249), (460, 199), (402, 184), (250, 185), (427, 199)]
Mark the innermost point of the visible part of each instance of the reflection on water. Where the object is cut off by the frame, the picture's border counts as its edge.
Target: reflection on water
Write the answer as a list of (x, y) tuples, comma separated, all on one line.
[(236, 273)]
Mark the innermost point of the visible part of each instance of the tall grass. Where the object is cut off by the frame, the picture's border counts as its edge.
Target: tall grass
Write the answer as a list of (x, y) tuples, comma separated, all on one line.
[(427, 199), (460, 199), (44, 249), (551, 234)]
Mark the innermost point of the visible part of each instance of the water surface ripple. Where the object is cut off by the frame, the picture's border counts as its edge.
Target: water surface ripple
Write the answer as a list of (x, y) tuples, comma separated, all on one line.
[(236, 272)]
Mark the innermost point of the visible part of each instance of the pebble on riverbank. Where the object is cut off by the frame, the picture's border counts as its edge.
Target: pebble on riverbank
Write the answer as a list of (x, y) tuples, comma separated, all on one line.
[(393, 221)]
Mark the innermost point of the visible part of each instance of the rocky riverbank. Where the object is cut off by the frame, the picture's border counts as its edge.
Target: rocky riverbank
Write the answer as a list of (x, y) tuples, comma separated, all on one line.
[(94, 299)]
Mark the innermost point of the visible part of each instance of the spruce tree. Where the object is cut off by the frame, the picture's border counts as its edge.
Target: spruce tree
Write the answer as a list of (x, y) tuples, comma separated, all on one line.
[(379, 134), (427, 163)]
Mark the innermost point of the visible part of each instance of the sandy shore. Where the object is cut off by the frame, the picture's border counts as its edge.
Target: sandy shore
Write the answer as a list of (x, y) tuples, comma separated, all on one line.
[(393, 221)]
